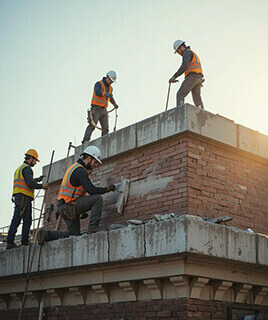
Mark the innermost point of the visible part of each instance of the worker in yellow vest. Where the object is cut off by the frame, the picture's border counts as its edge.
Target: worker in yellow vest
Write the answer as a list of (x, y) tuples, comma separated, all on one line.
[(73, 203), (192, 69), (102, 95), (23, 194)]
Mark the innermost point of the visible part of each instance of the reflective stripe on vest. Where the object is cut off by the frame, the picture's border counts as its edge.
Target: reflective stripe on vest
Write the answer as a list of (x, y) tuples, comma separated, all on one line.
[(194, 65), (20, 185), (67, 191), (101, 101)]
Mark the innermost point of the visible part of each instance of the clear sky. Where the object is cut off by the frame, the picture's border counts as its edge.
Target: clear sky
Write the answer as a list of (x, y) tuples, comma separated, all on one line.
[(53, 51)]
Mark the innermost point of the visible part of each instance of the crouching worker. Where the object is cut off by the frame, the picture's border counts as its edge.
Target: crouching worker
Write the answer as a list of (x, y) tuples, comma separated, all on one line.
[(72, 202)]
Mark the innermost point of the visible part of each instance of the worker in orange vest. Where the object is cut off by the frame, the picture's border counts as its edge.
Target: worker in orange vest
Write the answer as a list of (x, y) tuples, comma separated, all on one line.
[(192, 69), (23, 194), (102, 95), (73, 203)]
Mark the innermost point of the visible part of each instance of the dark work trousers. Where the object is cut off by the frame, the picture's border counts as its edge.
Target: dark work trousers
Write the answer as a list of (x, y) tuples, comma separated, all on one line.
[(98, 114), (84, 204), (21, 202), (192, 84)]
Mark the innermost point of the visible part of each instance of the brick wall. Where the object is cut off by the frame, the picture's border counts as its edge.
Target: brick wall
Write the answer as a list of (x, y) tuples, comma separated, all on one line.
[(222, 181), (204, 179), (143, 310)]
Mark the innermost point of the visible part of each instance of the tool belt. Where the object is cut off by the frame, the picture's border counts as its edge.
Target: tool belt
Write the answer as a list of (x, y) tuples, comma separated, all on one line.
[(67, 210), (90, 119), (22, 205)]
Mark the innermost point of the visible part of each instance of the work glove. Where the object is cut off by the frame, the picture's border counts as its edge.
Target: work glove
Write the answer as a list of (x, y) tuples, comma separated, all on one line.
[(84, 215), (116, 106), (172, 80), (108, 95), (45, 185), (39, 179), (109, 188)]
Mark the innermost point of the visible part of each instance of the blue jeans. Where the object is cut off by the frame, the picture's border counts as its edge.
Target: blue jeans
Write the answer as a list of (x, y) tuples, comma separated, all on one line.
[(21, 202)]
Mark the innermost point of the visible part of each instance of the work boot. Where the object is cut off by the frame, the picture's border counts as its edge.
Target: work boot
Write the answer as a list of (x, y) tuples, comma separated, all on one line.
[(95, 229), (11, 245), (42, 236)]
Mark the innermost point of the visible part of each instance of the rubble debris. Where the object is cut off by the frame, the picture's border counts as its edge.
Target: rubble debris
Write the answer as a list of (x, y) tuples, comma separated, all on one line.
[(136, 222), (163, 217), (218, 220)]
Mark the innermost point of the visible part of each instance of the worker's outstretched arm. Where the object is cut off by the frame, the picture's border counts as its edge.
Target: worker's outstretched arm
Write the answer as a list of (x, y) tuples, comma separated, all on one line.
[(186, 59), (114, 103)]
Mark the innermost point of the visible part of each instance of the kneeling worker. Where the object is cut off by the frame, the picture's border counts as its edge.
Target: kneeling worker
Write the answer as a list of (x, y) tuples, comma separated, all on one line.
[(102, 95), (72, 201), (23, 195)]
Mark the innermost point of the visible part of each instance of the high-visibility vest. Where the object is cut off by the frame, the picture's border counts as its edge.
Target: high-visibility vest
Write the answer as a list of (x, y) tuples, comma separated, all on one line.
[(101, 101), (194, 65), (20, 185), (67, 191)]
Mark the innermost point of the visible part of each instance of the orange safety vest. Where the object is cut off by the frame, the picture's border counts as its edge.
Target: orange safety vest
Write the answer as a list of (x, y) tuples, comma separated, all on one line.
[(194, 65), (101, 101), (20, 185), (67, 191)]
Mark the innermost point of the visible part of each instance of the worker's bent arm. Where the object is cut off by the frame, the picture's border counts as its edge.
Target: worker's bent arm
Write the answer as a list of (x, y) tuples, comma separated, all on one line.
[(27, 173), (113, 101), (81, 178), (186, 59), (97, 89)]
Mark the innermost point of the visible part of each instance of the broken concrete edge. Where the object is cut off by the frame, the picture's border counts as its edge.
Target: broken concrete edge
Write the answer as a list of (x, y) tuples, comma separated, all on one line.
[(179, 236), (186, 118)]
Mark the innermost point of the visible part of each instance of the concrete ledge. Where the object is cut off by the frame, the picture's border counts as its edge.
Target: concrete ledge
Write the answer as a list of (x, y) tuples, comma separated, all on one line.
[(186, 118), (187, 234)]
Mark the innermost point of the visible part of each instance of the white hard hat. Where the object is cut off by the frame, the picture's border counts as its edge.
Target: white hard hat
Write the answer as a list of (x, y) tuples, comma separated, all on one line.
[(93, 152), (177, 44), (112, 75)]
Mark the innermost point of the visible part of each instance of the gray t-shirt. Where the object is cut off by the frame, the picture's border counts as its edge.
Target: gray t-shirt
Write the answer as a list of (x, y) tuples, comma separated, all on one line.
[(186, 59)]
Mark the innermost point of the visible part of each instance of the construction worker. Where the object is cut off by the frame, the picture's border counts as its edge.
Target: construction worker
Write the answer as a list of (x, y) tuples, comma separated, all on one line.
[(23, 194), (191, 67), (72, 202), (102, 95)]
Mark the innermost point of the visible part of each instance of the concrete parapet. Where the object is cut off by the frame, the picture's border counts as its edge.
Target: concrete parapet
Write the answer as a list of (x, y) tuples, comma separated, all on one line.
[(186, 118), (185, 235)]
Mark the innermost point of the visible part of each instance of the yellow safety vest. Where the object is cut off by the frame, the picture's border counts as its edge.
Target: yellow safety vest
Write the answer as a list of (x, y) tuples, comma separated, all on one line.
[(20, 185)]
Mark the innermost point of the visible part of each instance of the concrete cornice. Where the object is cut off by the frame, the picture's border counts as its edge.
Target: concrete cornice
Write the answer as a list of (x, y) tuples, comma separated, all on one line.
[(185, 235), (178, 258), (186, 118)]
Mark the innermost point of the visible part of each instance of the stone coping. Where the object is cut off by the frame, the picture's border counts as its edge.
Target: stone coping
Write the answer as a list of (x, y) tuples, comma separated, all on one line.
[(182, 235), (186, 118)]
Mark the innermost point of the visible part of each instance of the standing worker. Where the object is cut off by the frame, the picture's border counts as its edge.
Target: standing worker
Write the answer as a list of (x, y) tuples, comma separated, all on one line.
[(72, 201), (23, 194), (191, 67), (102, 95)]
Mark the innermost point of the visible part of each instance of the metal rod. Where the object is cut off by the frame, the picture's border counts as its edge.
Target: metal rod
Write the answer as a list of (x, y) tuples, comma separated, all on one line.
[(115, 122), (65, 166), (168, 96), (169, 93), (34, 244)]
